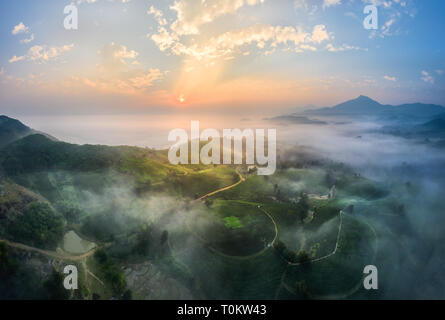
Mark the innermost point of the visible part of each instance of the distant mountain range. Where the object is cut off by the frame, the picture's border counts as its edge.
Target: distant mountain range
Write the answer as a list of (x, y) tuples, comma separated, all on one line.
[(295, 119), (419, 121), (366, 106)]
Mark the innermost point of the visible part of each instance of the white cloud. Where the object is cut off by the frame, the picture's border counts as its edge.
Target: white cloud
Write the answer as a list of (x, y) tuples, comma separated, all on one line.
[(191, 14), (42, 54), (146, 79), (389, 78), (426, 77), (20, 28), (320, 34), (391, 12), (307, 47), (300, 4), (309, 9), (159, 16), (115, 56), (128, 82), (28, 40), (94, 1), (16, 59), (345, 47), (330, 3), (439, 72), (265, 37)]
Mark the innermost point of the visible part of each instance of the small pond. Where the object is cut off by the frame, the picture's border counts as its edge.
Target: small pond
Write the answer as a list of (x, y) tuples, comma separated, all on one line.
[(74, 244)]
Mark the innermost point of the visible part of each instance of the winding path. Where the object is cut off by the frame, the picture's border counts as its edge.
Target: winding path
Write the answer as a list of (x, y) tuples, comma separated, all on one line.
[(59, 256), (328, 255), (52, 254), (223, 189)]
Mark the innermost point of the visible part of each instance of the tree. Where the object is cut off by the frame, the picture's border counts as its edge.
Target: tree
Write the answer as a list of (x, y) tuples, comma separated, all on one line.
[(329, 178), (39, 225), (112, 273), (208, 202), (7, 264), (279, 246), (304, 202), (142, 246), (303, 257), (69, 210), (164, 237), (54, 287)]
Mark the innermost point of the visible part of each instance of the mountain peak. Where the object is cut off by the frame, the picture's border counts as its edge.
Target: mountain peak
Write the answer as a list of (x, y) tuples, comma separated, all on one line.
[(364, 98)]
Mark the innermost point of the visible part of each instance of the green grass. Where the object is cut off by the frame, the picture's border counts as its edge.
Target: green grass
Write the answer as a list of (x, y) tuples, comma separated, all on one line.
[(231, 228), (198, 183), (233, 223), (341, 273), (222, 277)]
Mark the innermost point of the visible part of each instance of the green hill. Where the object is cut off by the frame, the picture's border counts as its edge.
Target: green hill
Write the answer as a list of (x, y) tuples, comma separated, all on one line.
[(11, 130)]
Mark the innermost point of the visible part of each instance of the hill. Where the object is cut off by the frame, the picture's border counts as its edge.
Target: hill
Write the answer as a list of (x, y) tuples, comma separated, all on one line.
[(430, 132), (437, 125), (12, 130), (366, 106)]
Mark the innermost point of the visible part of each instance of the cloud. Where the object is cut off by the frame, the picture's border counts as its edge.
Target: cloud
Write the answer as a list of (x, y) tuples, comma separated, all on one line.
[(386, 28), (303, 5), (94, 1), (128, 82), (146, 80), (426, 77), (300, 4), (119, 72), (28, 40), (16, 59), (20, 28), (345, 47), (391, 12), (192, 14), (265, 37), (42, 54), (439, 72), (330, 3), (389, 78), (115, 56), (307, 47), (159, 16), (320, 34)]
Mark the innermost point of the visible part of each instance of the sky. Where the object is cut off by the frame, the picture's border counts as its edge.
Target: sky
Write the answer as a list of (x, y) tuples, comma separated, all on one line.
[(142, 56)]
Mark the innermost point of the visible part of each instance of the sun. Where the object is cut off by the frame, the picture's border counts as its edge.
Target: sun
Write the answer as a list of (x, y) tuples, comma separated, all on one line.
[(181, 98)]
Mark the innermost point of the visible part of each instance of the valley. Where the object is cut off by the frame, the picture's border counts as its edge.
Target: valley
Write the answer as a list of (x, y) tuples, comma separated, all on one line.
[(138, 227)]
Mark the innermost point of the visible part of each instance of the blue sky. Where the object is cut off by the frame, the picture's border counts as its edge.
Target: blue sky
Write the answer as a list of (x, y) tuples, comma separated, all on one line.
[(145, 56)]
